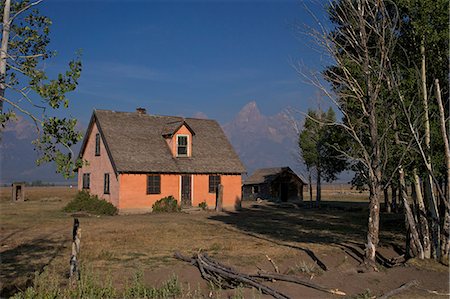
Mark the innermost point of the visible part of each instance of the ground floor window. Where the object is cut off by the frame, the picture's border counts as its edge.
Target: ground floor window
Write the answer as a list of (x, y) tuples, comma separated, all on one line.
[(86, 180), (214, 181), (153, 184), (106, 184)]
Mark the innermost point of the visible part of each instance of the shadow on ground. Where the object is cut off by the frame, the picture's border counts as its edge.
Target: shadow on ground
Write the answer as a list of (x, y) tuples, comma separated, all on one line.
[(342, 224), (19, 263)]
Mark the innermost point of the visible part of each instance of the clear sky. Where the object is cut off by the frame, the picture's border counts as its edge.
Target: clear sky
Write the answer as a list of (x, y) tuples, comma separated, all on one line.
[(183, 57)]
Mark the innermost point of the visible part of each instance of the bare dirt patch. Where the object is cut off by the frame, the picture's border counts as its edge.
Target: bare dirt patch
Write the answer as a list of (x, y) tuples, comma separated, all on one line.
[(325, 246)]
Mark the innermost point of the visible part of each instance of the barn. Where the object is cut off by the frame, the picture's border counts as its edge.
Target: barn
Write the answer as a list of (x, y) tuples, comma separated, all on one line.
[(277, 183)]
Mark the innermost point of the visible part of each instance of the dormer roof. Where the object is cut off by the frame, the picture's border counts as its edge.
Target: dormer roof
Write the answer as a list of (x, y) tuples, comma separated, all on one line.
[(171, 129)]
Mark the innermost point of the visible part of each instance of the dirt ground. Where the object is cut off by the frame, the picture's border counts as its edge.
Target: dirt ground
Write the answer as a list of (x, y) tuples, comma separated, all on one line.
[(324, 246)]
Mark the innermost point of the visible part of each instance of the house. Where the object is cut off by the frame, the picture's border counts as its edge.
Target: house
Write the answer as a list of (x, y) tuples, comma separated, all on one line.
[(279, 183), (134, 159)]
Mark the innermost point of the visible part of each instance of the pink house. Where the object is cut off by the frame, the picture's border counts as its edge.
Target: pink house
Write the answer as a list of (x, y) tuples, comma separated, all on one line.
[(134, 159)]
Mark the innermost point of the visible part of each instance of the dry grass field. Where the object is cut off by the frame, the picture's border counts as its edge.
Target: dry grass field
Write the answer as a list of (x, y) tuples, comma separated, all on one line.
[(36, 235)]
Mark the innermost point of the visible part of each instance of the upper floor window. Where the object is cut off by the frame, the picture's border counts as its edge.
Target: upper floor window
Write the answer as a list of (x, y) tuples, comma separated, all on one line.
[(86, 180), (214, 181), (97, 144), (106, 183), (182, 145), (153, 184)]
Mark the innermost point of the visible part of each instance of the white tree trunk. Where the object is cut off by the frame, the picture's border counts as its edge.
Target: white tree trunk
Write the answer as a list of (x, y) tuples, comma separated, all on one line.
[(4, 51), (429, 192), (445, 237)]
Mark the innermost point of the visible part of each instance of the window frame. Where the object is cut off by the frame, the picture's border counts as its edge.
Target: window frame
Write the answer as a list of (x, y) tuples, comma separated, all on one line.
[(153, 187), (212, 188), (97, 144), (106, 183), (86, 181), (178, 145)]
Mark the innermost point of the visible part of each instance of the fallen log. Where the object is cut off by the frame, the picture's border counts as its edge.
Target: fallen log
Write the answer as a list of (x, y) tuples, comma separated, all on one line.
[(400, 289), (297, 280), (224, 276)]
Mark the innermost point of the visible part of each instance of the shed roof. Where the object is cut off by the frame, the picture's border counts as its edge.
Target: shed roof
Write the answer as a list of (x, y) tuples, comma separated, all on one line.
[(267, 175), (136, 144)]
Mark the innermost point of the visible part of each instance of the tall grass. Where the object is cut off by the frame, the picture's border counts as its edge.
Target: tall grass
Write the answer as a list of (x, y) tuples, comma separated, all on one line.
[(49, 285)]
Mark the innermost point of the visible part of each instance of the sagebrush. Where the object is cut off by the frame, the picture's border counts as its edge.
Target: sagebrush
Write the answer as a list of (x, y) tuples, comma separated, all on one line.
[(167, 204), (85, 202)]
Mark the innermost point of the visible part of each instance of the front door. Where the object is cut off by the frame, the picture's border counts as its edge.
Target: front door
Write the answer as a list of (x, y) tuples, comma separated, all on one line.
[(186, 191)]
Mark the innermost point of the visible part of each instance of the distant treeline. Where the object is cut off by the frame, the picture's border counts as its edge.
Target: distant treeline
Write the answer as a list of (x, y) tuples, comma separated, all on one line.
[(40, 183)]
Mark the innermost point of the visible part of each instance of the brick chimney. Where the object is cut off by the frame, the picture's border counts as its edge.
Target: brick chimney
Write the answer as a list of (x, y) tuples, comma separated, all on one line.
[(141, 111)]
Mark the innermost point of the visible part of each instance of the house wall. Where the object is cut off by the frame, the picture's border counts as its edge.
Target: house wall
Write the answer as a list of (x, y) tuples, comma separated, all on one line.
[(134, 197), (133, 191), (97, 167), (231, 191)]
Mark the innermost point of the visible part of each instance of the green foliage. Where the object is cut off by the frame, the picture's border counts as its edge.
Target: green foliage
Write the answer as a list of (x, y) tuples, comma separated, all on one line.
[(84, 202), (203, 205), (50, 285), (318, 144), (138, 289), (167, 204), (26, 78)]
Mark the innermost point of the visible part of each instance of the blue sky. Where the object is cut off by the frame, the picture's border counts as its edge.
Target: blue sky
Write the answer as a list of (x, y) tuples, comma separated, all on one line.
[(183, 57)]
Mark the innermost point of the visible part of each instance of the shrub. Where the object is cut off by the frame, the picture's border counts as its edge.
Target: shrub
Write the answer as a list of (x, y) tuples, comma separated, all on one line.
[(167, 204), (203, 205), (85, 202)]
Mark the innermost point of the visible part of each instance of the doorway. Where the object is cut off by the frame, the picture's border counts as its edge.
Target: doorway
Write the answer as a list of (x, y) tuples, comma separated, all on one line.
[(186, 191)]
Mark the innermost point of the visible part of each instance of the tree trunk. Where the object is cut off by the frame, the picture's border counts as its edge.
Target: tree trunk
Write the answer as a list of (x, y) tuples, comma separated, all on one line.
[(318, 188), (429, 192), (310, 188), (373, 225), (387, 203), (445, 236), (415, 244), (423, 223), (4, 51), (394, 198)]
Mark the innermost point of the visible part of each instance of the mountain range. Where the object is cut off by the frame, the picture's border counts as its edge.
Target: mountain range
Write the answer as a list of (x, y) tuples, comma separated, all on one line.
[(263, 141), (259, 140)]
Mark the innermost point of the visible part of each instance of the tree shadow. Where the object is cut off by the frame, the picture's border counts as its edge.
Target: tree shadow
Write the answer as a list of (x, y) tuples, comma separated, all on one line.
[(343, 224), (19, 264)]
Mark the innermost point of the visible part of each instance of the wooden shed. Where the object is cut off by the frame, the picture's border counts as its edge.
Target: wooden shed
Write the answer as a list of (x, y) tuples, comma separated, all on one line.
[(18, 191), (278, 183)]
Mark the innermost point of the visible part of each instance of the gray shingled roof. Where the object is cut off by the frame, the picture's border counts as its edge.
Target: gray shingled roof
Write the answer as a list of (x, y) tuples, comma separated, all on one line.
[(267, 175), (136, 144)]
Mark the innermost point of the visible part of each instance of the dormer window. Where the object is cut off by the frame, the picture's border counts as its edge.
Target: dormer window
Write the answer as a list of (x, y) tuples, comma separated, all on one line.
[(182, 145)]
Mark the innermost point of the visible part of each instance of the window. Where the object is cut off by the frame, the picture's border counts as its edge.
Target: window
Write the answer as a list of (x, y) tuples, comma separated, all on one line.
[(97, 144), (86, 180), (182, 145), (255, 189), (153, 184), (214, 181), (106, 184)]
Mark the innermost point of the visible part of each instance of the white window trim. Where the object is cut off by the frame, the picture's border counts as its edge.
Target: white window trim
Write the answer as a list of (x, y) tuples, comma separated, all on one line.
[(188, 148)]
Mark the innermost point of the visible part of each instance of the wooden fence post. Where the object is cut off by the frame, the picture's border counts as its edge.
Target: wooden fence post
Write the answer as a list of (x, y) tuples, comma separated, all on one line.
[(219, 198), (76, 240)]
